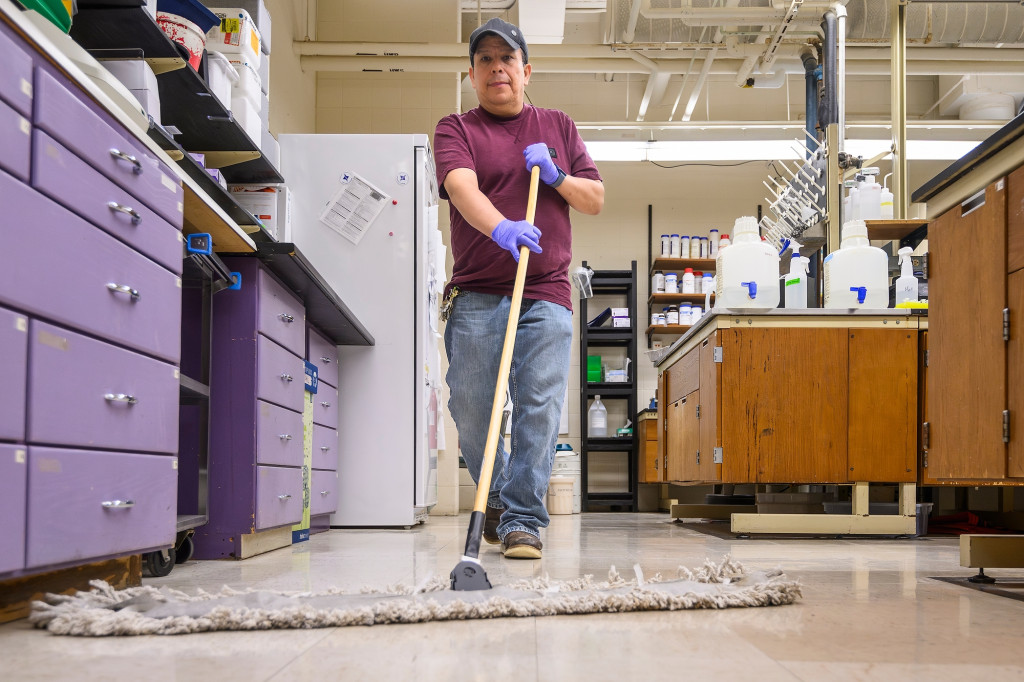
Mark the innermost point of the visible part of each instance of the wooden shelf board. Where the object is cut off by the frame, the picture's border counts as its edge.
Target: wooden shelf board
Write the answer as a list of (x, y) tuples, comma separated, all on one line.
[(892, 229), (676, 298), (668, 329), (680, 264)]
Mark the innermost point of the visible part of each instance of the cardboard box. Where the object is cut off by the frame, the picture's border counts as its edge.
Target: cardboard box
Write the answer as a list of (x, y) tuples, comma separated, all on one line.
[(620, 312), (620, 322), (235, 34), (256, 9), (270, 204)]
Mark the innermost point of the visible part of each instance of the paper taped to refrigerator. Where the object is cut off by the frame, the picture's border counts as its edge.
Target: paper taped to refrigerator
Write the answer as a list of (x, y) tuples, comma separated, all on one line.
[(354, 207)]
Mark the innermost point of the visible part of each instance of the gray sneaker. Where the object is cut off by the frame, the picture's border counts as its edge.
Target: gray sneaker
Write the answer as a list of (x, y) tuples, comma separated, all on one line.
[(521, 545)]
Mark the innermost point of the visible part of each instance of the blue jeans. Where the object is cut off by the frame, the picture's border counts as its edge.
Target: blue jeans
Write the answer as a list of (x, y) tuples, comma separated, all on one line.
[(540, 370)]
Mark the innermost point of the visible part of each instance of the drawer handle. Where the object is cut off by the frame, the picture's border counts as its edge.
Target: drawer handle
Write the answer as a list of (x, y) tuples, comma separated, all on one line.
[(117, 504), (325, 492), (124, 289), (120, 398), (121, 156), (287, 377), (325, 448), (285, 317), (325, 404), (285, 436), (324, 359), (136, 217), (284, 497)]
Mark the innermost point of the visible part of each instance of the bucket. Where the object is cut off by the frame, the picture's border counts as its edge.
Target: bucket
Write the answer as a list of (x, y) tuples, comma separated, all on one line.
[(221, 77), (181, 30), (560, 495), (567, 464)]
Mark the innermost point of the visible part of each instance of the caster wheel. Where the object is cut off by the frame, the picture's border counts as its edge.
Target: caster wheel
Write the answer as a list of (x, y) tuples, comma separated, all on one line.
[(159, 564), (184, 551)]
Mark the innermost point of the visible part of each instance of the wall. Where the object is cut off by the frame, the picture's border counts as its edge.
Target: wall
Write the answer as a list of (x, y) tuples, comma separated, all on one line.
[(292, 91)]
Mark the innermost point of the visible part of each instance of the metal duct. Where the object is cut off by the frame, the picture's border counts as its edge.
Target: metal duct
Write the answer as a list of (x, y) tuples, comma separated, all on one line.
[(943, 23)]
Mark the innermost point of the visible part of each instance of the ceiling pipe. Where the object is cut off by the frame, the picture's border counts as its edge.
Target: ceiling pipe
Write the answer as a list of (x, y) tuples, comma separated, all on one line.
[(634, 14), (699, 85), (657, 82), (719, 16)]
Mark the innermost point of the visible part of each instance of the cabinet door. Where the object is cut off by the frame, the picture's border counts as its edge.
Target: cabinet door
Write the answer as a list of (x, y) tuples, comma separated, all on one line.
[(1015, 375), (967, 353), (710, 390), (663, 410), (684, 439)]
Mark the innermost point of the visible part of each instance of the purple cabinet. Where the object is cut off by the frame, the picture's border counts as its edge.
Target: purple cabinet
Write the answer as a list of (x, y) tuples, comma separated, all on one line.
[(280, 375), (281, 315), (16, 75), (87, 503), (325, 406), (278, 435), (108, 149), (73, 183), (323, 493), (15, 139), (83, 392), (324, 354), (13, 478), (278, 496), (325, 447), (57, 265), (13, 370)]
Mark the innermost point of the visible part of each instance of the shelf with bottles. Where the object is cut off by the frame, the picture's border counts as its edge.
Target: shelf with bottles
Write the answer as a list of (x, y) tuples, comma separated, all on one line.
[(679, 264), (668, 299), (667, 329)]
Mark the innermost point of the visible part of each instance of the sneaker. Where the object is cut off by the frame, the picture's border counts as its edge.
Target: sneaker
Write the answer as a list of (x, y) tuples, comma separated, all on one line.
[(521, 545), (491, 520)]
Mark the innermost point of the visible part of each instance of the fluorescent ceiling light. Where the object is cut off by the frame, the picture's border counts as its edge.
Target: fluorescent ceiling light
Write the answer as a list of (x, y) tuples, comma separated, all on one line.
[(761, 150)]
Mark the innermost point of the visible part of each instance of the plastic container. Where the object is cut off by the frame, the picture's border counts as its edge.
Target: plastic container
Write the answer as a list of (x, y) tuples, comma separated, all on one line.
[(567, 463), (594, 368), (713, 243), (597, 419), (55, 11), (672, 316), (221, 77), (666, 246), (688, 285), (247, 86), (182, 31), (886, 200), (236, 33), (723, 241), (560, 497), (705, 250), (685, 314), (906, 283), (684, 247), (709, 283), (674, 246), (248, 116), (857, 275), (698, 282), (671, 283), (694, 246), (795, 283), (869, 196), (748, 270), (658, 283)]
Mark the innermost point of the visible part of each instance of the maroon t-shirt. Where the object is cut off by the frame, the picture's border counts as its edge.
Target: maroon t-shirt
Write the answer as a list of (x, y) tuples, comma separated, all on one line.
[(493, 147)]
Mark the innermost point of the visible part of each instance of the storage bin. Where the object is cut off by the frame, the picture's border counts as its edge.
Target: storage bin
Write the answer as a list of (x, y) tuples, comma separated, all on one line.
[(567, 464), (924, 510), (221, 77), (248, 84), (560, 495), (236, 34), (181, 30), (248, 116), (57, 12)]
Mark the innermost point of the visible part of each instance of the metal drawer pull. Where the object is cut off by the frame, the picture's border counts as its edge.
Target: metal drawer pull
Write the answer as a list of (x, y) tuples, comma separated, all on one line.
[(325, 492), (287, 377), (284, 497), (136, 217), (118, 504), (118, 154), (325, 404), (285, 436), (120, 398), (124, 289), (326, 360), (325, 448), (286, 317)]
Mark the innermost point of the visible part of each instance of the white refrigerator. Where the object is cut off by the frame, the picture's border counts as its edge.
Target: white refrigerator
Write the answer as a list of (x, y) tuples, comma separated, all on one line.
[(364, 212)]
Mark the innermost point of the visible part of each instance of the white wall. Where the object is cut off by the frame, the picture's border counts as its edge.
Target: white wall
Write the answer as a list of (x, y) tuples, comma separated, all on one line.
[(292, 91)]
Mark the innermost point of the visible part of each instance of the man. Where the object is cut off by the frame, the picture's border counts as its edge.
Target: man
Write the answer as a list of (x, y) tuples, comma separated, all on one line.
[(483, 161)]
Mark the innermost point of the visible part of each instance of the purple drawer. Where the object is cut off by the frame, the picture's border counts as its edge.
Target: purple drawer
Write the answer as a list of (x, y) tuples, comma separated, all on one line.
[(278, 496), (88, 504), (13, 370), (280, 376), (15, 142), (70, 181), (282, 316), (83, 392), (110, 150), (16, 75), (325, 447), (324, 354), (278, 435), (323, 493), (13, 479), (325, 406), (54, 263)]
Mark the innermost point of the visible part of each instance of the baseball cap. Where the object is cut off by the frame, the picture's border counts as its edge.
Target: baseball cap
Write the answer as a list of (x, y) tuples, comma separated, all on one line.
[(511, 33)]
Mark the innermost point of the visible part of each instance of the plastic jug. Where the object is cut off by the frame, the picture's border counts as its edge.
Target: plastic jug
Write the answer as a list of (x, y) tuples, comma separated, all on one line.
[(869, 195), (857, 275), (748, 270), (795, 283), (597, 419), (887, 211), (906, 283)]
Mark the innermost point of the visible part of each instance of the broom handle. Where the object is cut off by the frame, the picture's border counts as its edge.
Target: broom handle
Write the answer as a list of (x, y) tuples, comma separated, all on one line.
[(483, 485)]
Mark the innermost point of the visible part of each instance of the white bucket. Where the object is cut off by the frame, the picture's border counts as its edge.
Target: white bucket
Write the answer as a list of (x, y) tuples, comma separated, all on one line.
[(560, 495), (181, 30), (568, 465), (220, 77), (248, 84), (994, 106)]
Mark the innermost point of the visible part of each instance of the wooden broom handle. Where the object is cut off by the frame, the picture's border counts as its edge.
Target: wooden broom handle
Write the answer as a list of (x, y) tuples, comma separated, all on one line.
[(483, 485)]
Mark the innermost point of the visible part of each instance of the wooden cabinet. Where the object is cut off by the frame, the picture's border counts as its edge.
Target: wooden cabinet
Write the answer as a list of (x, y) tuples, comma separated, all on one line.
[(651, 469)]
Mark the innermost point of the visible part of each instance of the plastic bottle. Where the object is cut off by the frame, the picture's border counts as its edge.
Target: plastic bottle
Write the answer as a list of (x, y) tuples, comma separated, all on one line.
[(671, 283), (869, 195), (713, 243), (705, 248), (723, 242), (688, 286), (853, 202), (666, 246), (694, 246), (906, 283), (685, 314), (674, 246), (857, 274), (597, 419), (672, 316), (886, 200), (684, 247), (795, 283), (709, 283), (658, 283), (698, 282), (748, 271)]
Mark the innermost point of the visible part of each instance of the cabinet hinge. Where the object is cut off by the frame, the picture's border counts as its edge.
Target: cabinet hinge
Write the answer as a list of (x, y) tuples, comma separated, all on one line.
[(698, 457), (924, 462), (1006, 324), (926, 435), (1006, 426), (698, 412), (718, 455), (718, 354), (926, 357)]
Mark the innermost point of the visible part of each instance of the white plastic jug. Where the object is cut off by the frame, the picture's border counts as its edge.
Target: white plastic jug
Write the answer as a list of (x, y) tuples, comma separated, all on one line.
[(748, 271), (597, 419), (857, 275)]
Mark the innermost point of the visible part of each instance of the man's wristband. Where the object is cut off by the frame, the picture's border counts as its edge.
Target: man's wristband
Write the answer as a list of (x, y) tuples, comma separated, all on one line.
[(558, 181)]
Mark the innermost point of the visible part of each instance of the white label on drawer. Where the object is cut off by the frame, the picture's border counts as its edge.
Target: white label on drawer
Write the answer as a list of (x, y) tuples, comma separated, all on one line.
[(49, 466), (26, 87), (181, 207), (174, 463), (177, 374), (21, 324), (177, 282), (181, 237), (52, 340), (26, 127), (19, 456), (167, 182)]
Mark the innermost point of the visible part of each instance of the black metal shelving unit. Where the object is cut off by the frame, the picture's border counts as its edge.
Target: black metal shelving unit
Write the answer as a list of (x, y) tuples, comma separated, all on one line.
[(616, 283)]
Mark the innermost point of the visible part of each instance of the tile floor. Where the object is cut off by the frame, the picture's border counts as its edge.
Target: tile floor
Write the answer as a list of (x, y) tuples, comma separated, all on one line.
[(869, 612)]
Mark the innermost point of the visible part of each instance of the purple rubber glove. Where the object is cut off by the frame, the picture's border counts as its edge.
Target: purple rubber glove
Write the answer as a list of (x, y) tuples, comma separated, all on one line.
[(511, 234), (538, 155)]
